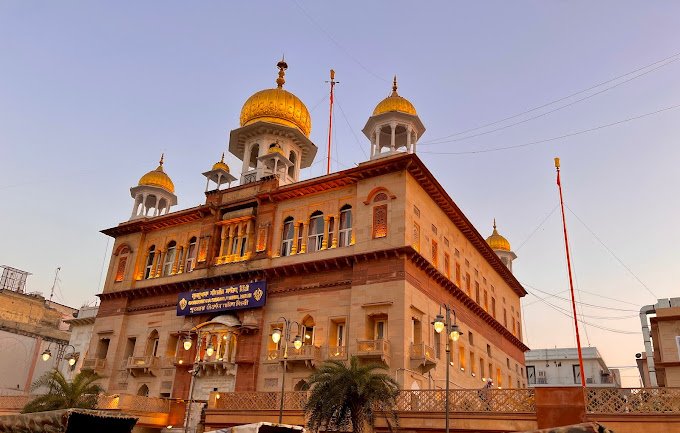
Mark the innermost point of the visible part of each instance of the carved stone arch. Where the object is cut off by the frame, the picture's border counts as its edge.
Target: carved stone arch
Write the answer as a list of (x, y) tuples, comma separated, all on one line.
[(377, 190), (123, 248), (308, 320)]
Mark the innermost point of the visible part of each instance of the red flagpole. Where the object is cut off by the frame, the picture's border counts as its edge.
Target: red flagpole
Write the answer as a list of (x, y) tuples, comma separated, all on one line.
[(330, 122), (571, 282)]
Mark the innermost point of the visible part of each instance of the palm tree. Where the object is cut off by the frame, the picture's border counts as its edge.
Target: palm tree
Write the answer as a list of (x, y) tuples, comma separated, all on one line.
[(81, 392), (344, 396)]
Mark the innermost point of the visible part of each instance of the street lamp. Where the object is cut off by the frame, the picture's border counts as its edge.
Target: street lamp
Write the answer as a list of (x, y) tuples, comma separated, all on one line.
[(440, 324), (61, 349), (187, 342), (277, 334)]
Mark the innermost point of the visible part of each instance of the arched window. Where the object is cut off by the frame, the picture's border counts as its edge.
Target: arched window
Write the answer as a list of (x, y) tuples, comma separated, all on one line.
[(122, 252), (380, 221), (293, 159), (302, 385), (345, 229), (315, 232), (152, 344), (254, 153), (169, 258), (191, 255), (149, 262), (308, 331), (287, 236), (143, 391)]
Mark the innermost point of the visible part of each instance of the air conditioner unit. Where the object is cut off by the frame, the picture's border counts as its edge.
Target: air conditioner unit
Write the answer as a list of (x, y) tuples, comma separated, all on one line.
[(542, 380), (589, 380)]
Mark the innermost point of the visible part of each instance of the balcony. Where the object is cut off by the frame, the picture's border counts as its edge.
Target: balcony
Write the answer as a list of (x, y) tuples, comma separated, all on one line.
[(374, 349), (94, 364), (308, 354), (337, 352), (142, 364), (423, 357)]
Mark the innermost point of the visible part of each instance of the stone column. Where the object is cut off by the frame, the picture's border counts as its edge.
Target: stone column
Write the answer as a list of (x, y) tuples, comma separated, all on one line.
[(324, 242), (223, 240), (336, 231), (408, 140), (305, 233), (232, 236), (175, 263), (182, 251), (393, 140), (377, 141), (250, 236), (159, 263)]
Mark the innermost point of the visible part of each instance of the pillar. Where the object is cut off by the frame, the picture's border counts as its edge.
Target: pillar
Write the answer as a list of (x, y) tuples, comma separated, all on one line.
[(408, 140), (324, 242), (393, 139), (305, 229), (336, 231)]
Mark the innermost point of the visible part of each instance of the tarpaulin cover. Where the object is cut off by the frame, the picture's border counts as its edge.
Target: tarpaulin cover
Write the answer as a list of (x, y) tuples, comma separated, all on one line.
[(67, 421)]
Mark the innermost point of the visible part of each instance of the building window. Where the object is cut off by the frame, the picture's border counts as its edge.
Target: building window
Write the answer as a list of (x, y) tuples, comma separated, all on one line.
[(493, 307), (437, 345), (477, 292), (415, 242), (505, 318), (293, 159), (447, 265), (299, 237), (416, 211), (191, 255), (531, 374), (446, 241), (435, 254), (458, 281), (481, 367), (380, 221), (169, 258), (345, 229), (287, 236), (471, 339), (488, 350), (340, 335), (151, 255), (380, 329), (486, 301), (152, 344), (461, 357), (308, 331), (468, 284), (120, 272), (315, 238), (473, 368), (434, 229)]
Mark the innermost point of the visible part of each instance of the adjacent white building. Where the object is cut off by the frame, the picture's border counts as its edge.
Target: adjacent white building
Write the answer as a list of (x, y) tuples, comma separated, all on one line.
[(81, 332), (560, 367)]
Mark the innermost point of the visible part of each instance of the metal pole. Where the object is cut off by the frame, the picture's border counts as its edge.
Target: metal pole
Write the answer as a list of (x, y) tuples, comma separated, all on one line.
[(191, 397), (330, 121), (448, 360), (286, 336), (571, 282)]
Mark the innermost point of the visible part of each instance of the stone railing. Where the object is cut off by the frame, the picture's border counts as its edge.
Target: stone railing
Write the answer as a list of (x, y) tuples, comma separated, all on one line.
[(466, 400), (133, 403), (632, 400), (422, 351), (14, 403), (94, 364), (337, 352), (143, 362)]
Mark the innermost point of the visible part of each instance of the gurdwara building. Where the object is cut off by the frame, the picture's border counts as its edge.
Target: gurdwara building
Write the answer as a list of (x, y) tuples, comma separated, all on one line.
[(354, 263)]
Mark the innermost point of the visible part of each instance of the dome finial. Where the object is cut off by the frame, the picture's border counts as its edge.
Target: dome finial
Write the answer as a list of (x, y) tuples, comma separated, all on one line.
[(160, 163), (282, 65), (494, 223), (222, 160), (394, 85)]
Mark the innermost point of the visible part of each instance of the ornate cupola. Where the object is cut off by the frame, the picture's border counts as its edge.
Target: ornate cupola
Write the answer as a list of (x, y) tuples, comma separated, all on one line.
[(394, 125), (501, 247), (154, 194), (273, 138), (219, 174)]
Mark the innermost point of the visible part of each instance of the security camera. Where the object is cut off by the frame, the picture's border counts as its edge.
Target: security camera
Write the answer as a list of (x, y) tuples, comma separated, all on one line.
[(638, 355)]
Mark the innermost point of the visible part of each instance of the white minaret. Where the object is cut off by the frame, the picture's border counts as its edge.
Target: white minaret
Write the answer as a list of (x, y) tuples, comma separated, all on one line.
[(154, 194), (394, 126), (273, 139)]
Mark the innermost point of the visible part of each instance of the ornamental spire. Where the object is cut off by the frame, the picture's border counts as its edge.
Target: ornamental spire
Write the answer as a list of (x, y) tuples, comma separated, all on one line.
[(394, 86), (282, 65)]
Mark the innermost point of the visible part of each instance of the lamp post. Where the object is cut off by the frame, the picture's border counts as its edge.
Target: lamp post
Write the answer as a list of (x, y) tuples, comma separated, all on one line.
[(61, 349), (186, 344), (440, 324), (297, 343)]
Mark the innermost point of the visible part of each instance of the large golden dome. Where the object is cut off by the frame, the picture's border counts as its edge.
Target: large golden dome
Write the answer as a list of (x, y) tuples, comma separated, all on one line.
[(277, 106), (496, 241), (158, 178), (394, 102)]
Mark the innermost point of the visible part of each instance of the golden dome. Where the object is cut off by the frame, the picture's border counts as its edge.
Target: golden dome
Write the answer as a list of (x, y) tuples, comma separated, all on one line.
[(221, 165), (275, 148), (277, 106), (394, 102), (496, 241), (158, 178)]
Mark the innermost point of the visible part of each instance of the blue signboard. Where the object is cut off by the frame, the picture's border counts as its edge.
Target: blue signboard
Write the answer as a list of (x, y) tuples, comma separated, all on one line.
[(248, 295)]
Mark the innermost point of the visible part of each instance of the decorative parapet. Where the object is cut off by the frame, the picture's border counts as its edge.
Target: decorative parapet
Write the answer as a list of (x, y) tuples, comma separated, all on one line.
[(632, 400)]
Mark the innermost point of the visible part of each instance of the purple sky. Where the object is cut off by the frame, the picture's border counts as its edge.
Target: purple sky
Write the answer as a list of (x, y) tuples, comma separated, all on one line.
[(92, 92)]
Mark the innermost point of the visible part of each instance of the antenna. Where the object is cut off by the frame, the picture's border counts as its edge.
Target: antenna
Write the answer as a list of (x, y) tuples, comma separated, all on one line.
[(56, 276), (330, 121)]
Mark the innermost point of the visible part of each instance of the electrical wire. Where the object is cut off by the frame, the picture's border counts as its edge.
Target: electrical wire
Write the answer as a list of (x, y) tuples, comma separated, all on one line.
[(436, 140), (572, 134), (584, 303), (356, 139), (332, 39), (612, 253)]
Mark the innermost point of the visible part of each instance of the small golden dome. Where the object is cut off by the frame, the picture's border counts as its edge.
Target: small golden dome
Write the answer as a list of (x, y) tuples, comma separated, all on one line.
[(277, 106), (275, 148), (496, 241), (394, 102), (221, 164), (158, 178)]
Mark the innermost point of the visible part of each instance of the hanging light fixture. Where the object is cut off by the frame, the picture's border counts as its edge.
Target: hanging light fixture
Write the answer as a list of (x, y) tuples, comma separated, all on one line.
[(276, 335), (439, 324), (210, 350), (72, 360), (297, 343), (455, 332), (187, 342), (46, 355)]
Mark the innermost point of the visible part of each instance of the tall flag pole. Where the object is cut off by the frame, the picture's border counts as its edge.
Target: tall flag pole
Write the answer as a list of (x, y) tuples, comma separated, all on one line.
[(330, 122), (571, 281)]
